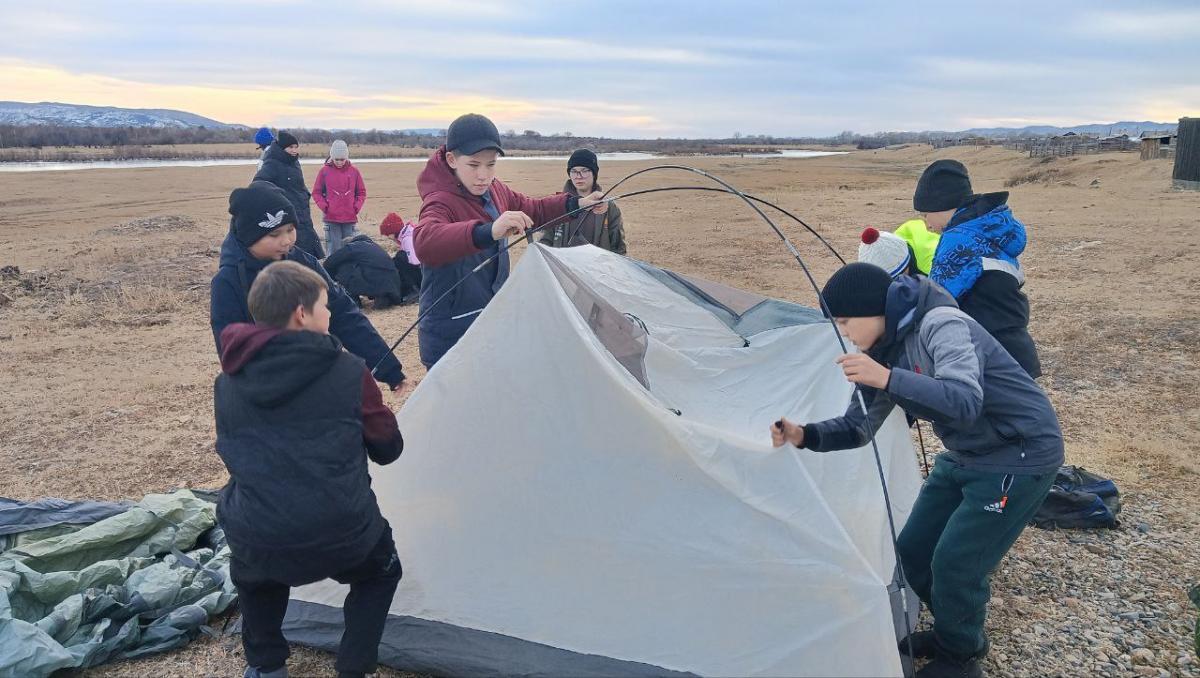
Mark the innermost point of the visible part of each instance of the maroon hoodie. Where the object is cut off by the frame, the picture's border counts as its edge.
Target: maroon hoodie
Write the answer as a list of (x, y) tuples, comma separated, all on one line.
[(241, 344), (449, 212)]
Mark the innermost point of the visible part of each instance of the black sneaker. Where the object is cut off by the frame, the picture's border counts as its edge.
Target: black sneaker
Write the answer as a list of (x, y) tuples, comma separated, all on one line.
[(923, 645), (945, 666)]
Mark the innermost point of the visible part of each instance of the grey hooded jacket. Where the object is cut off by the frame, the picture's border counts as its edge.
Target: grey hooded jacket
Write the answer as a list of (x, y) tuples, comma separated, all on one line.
[(948, 370)]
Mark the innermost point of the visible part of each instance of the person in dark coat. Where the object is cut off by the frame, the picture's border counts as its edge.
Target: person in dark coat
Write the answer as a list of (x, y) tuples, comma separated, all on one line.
[(261, 231), (281, 166), (364, 269), (297, 419), (603, 229), (976, 257)]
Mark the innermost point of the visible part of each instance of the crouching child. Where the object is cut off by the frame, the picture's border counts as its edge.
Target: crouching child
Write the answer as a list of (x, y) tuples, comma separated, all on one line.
[(1004, 444), (297, 418)]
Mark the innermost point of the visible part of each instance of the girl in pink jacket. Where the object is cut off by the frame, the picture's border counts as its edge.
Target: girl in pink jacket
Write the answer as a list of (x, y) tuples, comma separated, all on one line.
[(340, 194)]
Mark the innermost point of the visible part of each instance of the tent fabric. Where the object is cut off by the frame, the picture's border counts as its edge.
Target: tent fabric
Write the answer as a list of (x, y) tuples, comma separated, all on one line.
[(119, 588), (639, 518), (18, 516)]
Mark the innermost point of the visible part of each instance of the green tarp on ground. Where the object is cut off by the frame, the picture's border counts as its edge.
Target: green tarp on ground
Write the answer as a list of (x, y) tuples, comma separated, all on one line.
[(143, 581)]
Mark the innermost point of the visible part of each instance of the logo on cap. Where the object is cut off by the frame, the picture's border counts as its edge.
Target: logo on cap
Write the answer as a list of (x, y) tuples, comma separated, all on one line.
[(273, 220)]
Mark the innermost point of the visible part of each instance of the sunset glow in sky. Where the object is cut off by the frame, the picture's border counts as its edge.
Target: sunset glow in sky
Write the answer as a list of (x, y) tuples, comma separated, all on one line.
[(643, 69)]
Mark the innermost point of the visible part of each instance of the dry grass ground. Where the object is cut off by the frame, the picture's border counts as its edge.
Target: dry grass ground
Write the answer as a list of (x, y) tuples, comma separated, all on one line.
[(108, 360)]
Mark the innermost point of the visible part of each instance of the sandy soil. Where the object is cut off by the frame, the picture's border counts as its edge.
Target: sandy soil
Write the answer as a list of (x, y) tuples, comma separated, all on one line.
[(108, 360)]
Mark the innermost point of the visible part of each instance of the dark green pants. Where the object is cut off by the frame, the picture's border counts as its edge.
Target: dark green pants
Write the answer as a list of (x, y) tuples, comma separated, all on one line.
[(962, 524)]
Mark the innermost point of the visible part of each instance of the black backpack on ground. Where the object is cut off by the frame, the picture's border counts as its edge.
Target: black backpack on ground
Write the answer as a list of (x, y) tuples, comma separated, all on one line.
[(1079, 499)]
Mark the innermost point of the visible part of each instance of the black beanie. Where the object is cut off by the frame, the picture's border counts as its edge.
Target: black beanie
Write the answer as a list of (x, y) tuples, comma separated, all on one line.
[(257, 210), (944, 185), (286, 139), (585, 158), (857, 290)]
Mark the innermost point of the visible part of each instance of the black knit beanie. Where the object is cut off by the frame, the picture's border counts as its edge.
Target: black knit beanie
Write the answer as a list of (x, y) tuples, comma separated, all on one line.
[(585, 158), (857, 290), (257, 210), (944, 185), (286, 139)]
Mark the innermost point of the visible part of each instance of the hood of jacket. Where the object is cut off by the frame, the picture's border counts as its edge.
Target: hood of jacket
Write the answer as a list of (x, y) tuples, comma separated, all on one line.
[(984, 228), (439, 177), (276, 152), (988, 220), (277, 364), (908, 300)]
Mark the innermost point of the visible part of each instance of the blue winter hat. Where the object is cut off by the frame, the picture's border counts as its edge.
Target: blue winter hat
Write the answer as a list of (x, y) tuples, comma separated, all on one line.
[(263, 137)]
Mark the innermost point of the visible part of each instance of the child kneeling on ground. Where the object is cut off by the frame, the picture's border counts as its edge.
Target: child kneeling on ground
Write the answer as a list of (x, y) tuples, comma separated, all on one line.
[(364, 269), (1004, 445), (297, 418)]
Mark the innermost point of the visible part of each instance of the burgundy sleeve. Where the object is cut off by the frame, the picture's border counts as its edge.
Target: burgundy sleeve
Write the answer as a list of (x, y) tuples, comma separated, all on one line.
[(541, 210), (381, 434), (438, 239)]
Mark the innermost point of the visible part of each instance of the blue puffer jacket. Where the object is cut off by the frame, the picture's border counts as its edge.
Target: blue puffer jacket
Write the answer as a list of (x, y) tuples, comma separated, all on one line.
[(984, 228), (228, 305)]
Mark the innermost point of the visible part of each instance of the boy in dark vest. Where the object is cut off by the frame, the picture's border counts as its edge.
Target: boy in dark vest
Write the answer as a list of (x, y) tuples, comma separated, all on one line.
[(297, 418), (1004, 444)]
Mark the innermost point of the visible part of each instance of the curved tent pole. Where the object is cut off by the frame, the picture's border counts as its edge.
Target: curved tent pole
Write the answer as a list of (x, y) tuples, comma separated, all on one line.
[(529, 238)]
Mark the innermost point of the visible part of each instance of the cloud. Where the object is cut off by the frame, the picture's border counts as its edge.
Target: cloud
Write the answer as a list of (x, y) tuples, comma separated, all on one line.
[(1150, 24)]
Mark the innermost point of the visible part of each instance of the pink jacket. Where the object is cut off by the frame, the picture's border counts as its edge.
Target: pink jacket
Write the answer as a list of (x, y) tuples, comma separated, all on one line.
[(340, 193)]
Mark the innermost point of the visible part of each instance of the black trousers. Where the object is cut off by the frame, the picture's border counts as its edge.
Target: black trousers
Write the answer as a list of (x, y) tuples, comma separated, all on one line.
[(264, 602), (410, 275)]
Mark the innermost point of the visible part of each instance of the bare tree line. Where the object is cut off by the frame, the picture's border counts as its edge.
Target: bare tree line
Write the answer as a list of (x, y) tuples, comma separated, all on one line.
[(128, 142)]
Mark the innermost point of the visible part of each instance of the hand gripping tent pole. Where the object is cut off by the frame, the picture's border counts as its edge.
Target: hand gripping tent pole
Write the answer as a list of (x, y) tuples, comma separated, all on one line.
[(751, 202)]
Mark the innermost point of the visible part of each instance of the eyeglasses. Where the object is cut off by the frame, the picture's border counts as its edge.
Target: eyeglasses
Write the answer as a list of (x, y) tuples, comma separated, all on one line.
[(580, 173)]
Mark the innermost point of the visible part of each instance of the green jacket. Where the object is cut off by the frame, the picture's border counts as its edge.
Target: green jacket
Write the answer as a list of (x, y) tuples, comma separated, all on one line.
[(605, 231)]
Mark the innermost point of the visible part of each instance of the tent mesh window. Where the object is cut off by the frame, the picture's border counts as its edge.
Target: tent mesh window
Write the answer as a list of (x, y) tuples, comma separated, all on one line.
[(624, 338)]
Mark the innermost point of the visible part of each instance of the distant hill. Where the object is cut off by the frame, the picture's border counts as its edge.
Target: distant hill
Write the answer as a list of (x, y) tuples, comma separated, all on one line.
[(76, 115), (1133, 129)]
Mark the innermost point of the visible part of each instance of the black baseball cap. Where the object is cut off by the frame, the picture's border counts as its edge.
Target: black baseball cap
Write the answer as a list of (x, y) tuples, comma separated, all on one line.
[(472, 133)]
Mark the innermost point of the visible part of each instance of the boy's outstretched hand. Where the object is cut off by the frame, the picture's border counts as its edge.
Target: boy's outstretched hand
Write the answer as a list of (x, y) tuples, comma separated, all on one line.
[(784, 431), (511, 223), (596, 201), (859, 368)]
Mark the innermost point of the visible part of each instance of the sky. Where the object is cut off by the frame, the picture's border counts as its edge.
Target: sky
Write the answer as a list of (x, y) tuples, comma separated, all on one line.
[(640, 68)]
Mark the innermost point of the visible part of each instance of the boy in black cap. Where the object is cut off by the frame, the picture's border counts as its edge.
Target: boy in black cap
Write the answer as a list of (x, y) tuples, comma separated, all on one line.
[(603, 229), (466, 215), (976, 258), (262, 230), (297, 418), (1004, 444)]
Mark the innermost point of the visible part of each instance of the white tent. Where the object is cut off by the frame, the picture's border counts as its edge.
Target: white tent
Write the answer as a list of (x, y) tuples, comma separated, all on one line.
[(588, 488)]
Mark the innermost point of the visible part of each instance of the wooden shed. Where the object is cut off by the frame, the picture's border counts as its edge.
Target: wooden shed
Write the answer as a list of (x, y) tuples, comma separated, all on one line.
[(1157, 145), (1187, 155)]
